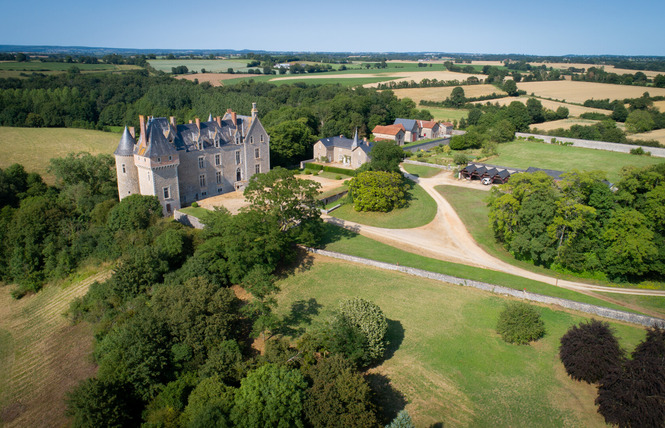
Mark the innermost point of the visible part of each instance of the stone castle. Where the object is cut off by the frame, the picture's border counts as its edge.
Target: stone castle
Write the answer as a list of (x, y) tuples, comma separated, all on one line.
[(181, 164)]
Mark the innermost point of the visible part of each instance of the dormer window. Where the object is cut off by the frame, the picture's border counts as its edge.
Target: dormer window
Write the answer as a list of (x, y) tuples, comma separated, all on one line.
[(251, 140), (159, 160), (170, 157), (261, 138), (217, 144)]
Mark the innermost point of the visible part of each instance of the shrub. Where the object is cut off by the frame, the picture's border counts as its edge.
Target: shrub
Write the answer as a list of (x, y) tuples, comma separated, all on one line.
[(195, 204), (460, 159), (378, 191), (639, 151), (371, 321), (338, 177), (590, 351), (520, 323)]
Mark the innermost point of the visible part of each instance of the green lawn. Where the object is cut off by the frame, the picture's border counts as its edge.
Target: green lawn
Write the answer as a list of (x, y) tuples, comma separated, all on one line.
[(34, 147), (444, 354), (523, 154), (346, 242), (421, 171), (420, 211), (446, 114), (197, 212)]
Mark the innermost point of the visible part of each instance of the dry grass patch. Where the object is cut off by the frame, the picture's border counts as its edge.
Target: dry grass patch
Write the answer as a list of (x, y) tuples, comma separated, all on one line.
[(660, 105), (574, 110), (215, 79), (578, 92), (563, 123), (608, 68), (441, 93), (658, 135), (417, 76)]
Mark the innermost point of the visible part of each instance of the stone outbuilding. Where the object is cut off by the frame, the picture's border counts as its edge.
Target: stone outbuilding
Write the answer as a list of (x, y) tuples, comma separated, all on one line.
[(394, 133), (345, 151)]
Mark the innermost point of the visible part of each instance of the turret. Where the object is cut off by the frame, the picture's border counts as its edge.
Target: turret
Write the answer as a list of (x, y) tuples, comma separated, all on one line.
[(128, 183)]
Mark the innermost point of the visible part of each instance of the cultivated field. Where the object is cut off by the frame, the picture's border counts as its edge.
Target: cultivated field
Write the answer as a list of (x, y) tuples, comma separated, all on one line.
[(658, 135), (34, 147), (523, 154), (563, 123), (42, 356), (215, 79), (578, 92), (211, 65), (608, 68), (660, 105), (573, 109), (441, 93), (445, 356), (20, 69)]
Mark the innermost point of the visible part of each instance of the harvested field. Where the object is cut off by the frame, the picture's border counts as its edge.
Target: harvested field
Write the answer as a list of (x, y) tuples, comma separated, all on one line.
[(567, 123), (658, 135), (215, 79), (578, 92), (660, 105), (417, 76), (574, 110), (441, 93), (43, 356), (608, 68)]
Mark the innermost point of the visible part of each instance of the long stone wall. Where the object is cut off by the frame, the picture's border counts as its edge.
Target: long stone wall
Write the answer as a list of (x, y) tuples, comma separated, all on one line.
[(505, 291), (433, 165), (187, 220), (428, 145), (598, 145)]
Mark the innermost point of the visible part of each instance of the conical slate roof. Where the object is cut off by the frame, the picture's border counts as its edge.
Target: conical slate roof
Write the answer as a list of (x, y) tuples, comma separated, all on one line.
[(126, 145), (355, 140), (158, 145)]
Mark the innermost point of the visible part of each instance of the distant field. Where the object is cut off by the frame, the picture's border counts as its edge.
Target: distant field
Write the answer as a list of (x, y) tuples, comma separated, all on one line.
[(446, 114), (10, 69), (34, 147), (578, 92), (660, 105), (658, 135), (215, 79), (314, 79), (211, 65), (574, 110), (523, 154), (441, 93), (445, 355), (563, 123)]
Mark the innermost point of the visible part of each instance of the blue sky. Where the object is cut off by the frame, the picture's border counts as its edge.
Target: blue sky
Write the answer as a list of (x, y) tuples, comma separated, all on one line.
[(560, 27)]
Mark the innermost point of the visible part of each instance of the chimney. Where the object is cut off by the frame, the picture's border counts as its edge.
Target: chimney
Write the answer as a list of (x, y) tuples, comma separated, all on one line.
[(219, 121), (228, 111), (198, 123), (234, 119), (132, 132), (191, 121), (255, 112), (142, 128), (172, 121)]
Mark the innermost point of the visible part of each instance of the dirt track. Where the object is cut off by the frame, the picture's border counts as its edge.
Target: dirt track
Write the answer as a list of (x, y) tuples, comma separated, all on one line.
[(446, 238)]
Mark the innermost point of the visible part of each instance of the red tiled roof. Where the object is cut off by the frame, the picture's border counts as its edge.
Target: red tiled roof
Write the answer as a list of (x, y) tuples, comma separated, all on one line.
[(427, 123), (388, 129), (447, 124)]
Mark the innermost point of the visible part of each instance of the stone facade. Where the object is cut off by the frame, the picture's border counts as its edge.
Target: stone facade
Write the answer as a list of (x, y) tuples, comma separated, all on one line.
[(349, 153), (181, 164)]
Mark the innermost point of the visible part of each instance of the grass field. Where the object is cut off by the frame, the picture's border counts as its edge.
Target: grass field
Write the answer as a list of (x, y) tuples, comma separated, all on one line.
[(211, 65), (446, 114), (421, 171), (42, 355), (578, 92), (197, 212), (445, 356), (420, 211), (34, 147), (11, 69), (441, 93), (523, 154)]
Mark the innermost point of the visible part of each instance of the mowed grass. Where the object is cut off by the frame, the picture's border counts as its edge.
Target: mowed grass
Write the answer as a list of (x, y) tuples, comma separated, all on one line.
[(523, 154), (210, 65), (42, 356), (420, 211), (34, 147), (421, 171), (446, 114), (347, 242), (197, 212), (445, 356)]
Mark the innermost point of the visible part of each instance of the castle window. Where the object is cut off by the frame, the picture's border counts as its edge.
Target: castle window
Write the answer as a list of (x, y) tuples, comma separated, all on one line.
[(257, 168), (237, 157), (170, 157), (217, 143), (199, 145), (218, 159), (261, 138), (124, 170), (202, 180), (238, 175), (218, 177), (159, 160), (251, 140), (201, 162), (257, 154), (167, 193)]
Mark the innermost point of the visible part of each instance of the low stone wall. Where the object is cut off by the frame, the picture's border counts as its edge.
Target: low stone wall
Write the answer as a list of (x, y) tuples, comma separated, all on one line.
[(187, 220), (428, 145), (433, 165), (334, 197), (505, 291), (598, 145)]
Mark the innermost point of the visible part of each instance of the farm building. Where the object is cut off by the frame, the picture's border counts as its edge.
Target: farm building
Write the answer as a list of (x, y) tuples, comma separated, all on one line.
[(389, 132), (181, 164), (411, 129), (350, 153), (488, 174), (430, 129)]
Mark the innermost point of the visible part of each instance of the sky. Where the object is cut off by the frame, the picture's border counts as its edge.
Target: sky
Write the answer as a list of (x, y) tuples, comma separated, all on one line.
[(536, 27)]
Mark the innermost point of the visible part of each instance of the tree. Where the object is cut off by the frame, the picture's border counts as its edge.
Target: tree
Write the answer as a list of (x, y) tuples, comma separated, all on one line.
[(628, 244), (402, 420), (590, 351), (135, 212), (619, 112), (510, 86), (339, 396), (371, 321), (457, 98), (96, 403), (270, 396), (384, 156), (378, 191), (290, 142), (520, 323), (518, 115), (535, 109), (639, 121), (211, 400)]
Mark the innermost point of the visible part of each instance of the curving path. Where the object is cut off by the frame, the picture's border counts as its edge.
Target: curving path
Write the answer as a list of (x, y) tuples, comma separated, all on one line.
[(446, 238)]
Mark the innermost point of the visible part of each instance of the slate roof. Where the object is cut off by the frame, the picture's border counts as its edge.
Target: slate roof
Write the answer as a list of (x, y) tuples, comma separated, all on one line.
[(388, 129), (551, 172), (408, 124), (126, 145), (341, 141)]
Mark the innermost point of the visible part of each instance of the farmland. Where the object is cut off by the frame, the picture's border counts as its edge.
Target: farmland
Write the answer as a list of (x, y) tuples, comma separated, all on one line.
[(211, 65), (441, 93), (578, 92), (445, 357), (658, 135), (563, 123), (33, 147), (575, 110), (19, 69), (446, 114)]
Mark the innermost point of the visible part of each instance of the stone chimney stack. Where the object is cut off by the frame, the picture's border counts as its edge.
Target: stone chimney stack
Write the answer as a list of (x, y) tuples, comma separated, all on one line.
[(255, 111), (198, 123), (172, 121), (132, 132), (142, 128), (234, 118), (219, 121)]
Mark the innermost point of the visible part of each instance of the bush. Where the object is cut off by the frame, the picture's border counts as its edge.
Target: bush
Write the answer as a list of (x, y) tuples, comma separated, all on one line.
[(590, 351), (338, 177), (195, 204), (460, 159), (639, 151), (378, 191), (520, 323), (371, 321)]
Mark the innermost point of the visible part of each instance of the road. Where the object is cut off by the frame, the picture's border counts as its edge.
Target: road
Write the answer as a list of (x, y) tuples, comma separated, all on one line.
[(446, 238)]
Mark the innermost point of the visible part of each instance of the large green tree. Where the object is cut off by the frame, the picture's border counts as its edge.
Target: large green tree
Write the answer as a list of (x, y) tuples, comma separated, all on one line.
[(384, 156), (290, 141), (378, 191)]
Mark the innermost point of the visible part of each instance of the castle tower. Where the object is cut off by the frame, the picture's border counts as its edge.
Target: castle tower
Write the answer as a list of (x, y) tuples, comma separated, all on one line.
[(157, 164), (128, 182)]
